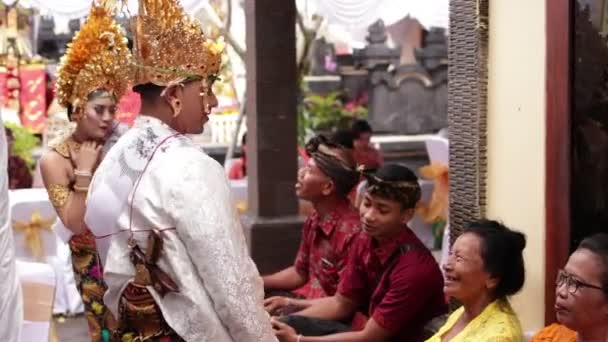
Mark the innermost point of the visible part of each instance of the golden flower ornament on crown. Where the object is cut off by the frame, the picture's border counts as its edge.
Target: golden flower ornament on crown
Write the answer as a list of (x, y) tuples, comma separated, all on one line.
[(97, 58)]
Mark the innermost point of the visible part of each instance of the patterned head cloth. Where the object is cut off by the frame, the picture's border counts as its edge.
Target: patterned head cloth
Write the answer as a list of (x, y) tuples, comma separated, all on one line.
[(97, 58), (170, 47), (335, 162), (407, 191)]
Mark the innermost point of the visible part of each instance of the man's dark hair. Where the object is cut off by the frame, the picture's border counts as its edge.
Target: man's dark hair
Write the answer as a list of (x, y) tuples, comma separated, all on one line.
[(396, 183), (598, 244), (149, 92), (343, 138), (359, 127)]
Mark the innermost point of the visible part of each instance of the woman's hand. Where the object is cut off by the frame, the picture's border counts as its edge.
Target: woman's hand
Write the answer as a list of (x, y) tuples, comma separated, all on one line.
[(273, 304), (87, 158), (283, 332)]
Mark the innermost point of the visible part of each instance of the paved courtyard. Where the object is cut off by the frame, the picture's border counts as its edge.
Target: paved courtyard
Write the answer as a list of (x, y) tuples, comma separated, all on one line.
[(72, 329)]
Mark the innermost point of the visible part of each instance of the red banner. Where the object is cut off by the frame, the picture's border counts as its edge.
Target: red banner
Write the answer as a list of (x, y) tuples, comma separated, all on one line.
[(3, 88), (33, 96)]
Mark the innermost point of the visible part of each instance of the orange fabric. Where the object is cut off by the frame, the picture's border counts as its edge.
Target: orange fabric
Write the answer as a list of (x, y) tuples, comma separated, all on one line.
[(555, 333)]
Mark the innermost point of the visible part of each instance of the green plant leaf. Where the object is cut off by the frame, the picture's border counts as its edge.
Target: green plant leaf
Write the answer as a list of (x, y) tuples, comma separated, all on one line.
[(25, 143)]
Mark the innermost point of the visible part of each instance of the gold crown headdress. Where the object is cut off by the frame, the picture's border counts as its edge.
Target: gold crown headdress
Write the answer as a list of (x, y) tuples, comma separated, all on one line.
[(97, 58), (169, 46)]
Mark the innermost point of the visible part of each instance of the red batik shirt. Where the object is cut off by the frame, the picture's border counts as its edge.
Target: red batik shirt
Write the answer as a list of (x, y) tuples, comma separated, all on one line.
[(402, 293), (324, 249), (369, 157)]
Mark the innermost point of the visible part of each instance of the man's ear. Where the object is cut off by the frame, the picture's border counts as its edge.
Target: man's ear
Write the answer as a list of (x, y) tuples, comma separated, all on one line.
[(172, 93)]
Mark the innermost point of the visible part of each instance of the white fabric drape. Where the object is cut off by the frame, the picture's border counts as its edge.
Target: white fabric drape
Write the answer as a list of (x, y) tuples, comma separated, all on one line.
[(11, 304), (73, 9), (348, 20), (355, 14)]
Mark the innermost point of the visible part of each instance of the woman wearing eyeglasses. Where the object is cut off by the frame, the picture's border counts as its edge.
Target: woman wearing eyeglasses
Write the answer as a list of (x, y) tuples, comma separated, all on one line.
[(581, 296)]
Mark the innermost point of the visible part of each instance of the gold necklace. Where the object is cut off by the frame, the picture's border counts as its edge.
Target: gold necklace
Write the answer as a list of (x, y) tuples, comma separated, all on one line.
[(64, 146)]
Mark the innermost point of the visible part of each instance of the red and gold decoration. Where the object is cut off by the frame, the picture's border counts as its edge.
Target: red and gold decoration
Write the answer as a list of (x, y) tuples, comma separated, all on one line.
[(22, 78), (32, 78)]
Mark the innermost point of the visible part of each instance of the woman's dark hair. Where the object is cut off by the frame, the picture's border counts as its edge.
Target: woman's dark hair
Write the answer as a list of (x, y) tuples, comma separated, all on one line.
[(502, 254), (598, 244), (244, 139), (359, 127)]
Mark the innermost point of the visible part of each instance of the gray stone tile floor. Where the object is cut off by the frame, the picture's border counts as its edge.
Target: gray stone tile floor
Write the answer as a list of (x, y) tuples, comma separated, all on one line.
[(72, 329)]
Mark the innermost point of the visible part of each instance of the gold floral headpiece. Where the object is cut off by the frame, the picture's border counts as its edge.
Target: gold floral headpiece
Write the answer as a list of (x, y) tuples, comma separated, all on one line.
[(170, 46), (97, 58)]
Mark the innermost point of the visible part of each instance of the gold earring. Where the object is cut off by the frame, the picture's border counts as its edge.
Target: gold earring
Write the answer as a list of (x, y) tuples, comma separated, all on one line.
[(177, 108)]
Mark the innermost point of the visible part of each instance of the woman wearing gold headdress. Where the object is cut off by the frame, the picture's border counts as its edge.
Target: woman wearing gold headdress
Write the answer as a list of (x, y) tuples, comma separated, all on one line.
[(177, 265), (93, 75)]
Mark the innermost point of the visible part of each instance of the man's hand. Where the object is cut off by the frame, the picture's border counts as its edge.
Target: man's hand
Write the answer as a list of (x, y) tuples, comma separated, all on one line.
[(274, 304), (283, 332)]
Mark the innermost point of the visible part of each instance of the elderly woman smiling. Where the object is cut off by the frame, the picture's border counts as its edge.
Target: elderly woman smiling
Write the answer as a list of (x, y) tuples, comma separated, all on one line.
[(484, 268), (581, 295)]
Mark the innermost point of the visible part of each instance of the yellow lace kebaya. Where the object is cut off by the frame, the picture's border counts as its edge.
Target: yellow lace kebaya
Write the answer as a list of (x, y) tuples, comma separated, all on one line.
[(497, 323)]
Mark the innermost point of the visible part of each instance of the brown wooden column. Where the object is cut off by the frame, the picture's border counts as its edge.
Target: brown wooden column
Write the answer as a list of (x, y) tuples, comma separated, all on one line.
[(557, 142), (272, 225)]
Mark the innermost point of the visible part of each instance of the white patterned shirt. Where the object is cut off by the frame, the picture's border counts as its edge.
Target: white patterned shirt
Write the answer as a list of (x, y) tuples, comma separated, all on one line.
[(220, 296)]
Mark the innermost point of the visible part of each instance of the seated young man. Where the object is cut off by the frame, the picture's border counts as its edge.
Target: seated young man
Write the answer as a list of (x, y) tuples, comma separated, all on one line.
[(325, 180), (391, 275), (364, 153)]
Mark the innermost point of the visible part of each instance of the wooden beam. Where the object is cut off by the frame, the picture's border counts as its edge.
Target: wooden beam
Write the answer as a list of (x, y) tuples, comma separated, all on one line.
[(558, 144)]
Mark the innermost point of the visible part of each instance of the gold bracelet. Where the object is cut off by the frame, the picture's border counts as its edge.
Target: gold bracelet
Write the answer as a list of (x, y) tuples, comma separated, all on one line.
[(81, 188)]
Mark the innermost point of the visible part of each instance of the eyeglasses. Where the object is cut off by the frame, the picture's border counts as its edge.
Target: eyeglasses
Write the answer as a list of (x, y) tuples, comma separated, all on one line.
[(572, 285)]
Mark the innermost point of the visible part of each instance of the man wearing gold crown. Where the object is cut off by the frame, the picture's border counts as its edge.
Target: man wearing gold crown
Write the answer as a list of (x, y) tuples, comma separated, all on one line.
[(176, 261), (94, 73)]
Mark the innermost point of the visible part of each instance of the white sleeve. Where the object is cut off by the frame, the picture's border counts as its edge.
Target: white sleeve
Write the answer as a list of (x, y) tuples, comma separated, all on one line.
[(208, 224)]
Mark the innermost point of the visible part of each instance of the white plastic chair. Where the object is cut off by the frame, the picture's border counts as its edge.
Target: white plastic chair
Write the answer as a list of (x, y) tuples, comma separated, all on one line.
[(28, 205), (25, 203), (38, 289)]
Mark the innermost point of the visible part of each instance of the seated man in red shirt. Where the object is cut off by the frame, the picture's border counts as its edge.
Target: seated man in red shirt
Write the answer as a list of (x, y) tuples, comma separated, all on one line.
[(390, 275), (325, 180), (363, 152)]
